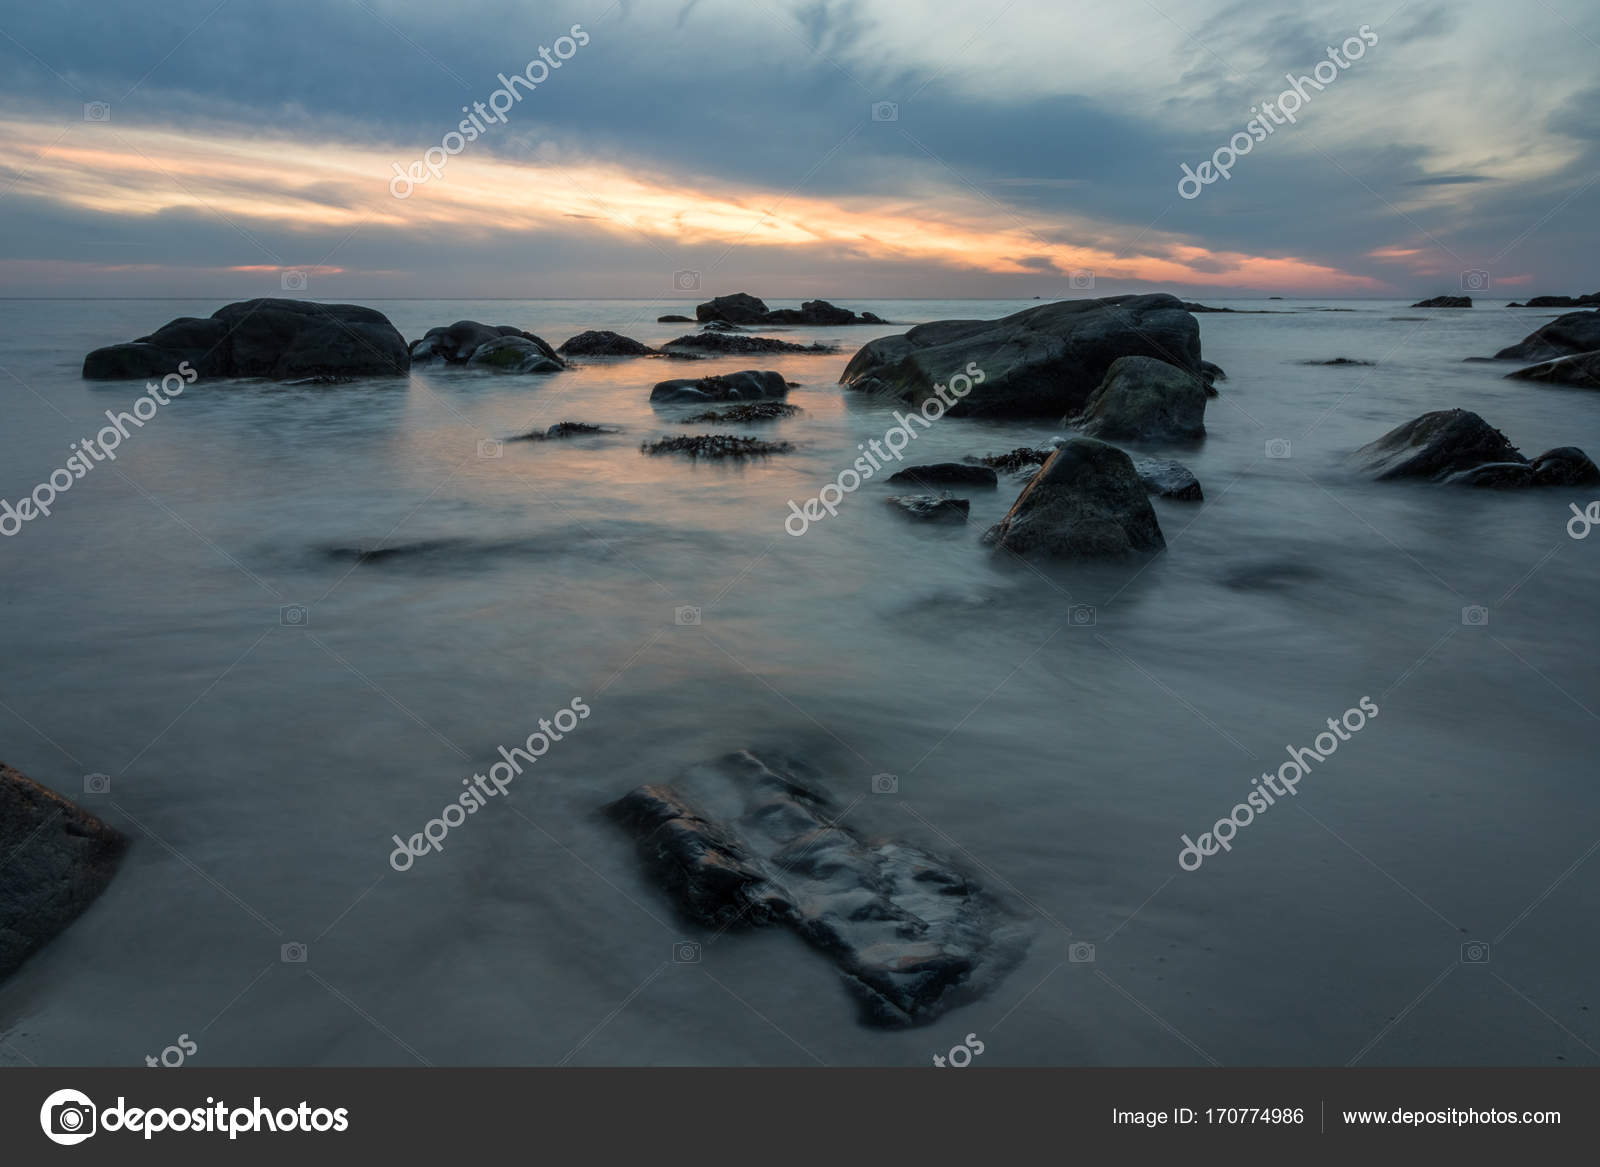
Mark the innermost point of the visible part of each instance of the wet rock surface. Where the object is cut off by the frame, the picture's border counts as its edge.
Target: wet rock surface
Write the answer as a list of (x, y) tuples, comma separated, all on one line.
[(1086, 502)]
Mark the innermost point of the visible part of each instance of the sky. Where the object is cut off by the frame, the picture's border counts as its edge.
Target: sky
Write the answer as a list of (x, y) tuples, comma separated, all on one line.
[(835, 148)]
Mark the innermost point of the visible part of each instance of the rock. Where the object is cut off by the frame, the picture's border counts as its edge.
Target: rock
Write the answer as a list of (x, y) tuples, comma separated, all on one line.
[(1436, 446), (515, 354), (715, 446), (674, 320), (1339, 362), (721, 342), (749, 411), (747, 385), (1591, 300), (1086, 502), (1493, 475), (1167, 479), (458, 343), (1565, 336), (1191, 306), (1145, 400), (56, 859), (1021, 458), (910, 934), (739, 308), (931, 508), (945, 474), (719, 326), (1445, 302), (1040, 362), (280, 339), (1582, 370), (567, 429), (1212, 372), (743, 308), (604, 344), (1565, 466)]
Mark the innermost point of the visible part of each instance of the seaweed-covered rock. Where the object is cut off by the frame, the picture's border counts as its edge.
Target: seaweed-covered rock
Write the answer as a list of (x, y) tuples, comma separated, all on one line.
[(723, 342), (715, 447), (747, 411), (604, 343), (930, 508), (515, 354), (911, 935)]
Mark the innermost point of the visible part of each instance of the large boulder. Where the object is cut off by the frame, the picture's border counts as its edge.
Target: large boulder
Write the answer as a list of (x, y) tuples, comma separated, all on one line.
[(739, 308), (603, 343), (747, 385), (1436, 446), (55, 858), (1565, 336), (1582, 370), (1086, 502), (458, 343), (744, 842), (1040, 362), (1445, 302), (280, 339), (1146, 400)]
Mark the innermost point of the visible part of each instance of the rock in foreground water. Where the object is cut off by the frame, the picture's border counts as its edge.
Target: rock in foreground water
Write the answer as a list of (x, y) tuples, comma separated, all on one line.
[(1458, 447), (746, 385), (1146, 400), (1086, 502), (55, 858), (1565, 336), (910, 934)]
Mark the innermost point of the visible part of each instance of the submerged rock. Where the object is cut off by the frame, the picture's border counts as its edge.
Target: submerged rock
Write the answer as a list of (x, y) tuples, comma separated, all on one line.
[(750, 411), (280, 339), (1445, 302), (715, 447), (604, 343), (938, 474), (723, 342), (1582, 370), (1040, 362), (931, 508), (1565, 336), (1145, 400), (1168, 479), (56, 858), (1086, 502), (567, 429), (910, 934), (746, 385), (1339, 362)]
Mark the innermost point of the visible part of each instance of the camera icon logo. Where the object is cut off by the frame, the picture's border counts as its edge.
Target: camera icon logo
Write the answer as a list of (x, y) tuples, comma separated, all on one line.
[(1278, 447), (97, 111), (1475, 616), (686, 952), (686, 617), (686, 281), (1475, 281), (491, 448), (886, 784), (1080, 953), (1080, 281), (1475, 952), (294, 615), (293, 953), (294, 280), (97, 783), (68, 1117), (885, 111), (1081, 615)]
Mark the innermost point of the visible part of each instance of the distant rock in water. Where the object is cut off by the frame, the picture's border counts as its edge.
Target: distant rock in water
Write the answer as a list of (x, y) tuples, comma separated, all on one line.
[(1168, 479), (674, 319), (910, 934), (1339, 362), (930, 508), (57, 858), (1445, 302), (1191, 306), (461, 342), (938, 474), (1592, 300), (567, 429), (722, 342), (746, 385), (1582, 370), (1565, 336), (1086, 502), (1040, 362), (743, 308), (1458, 447), (1143, 399), (603, 343), (715, 447), (750, 411), (280, 339)]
